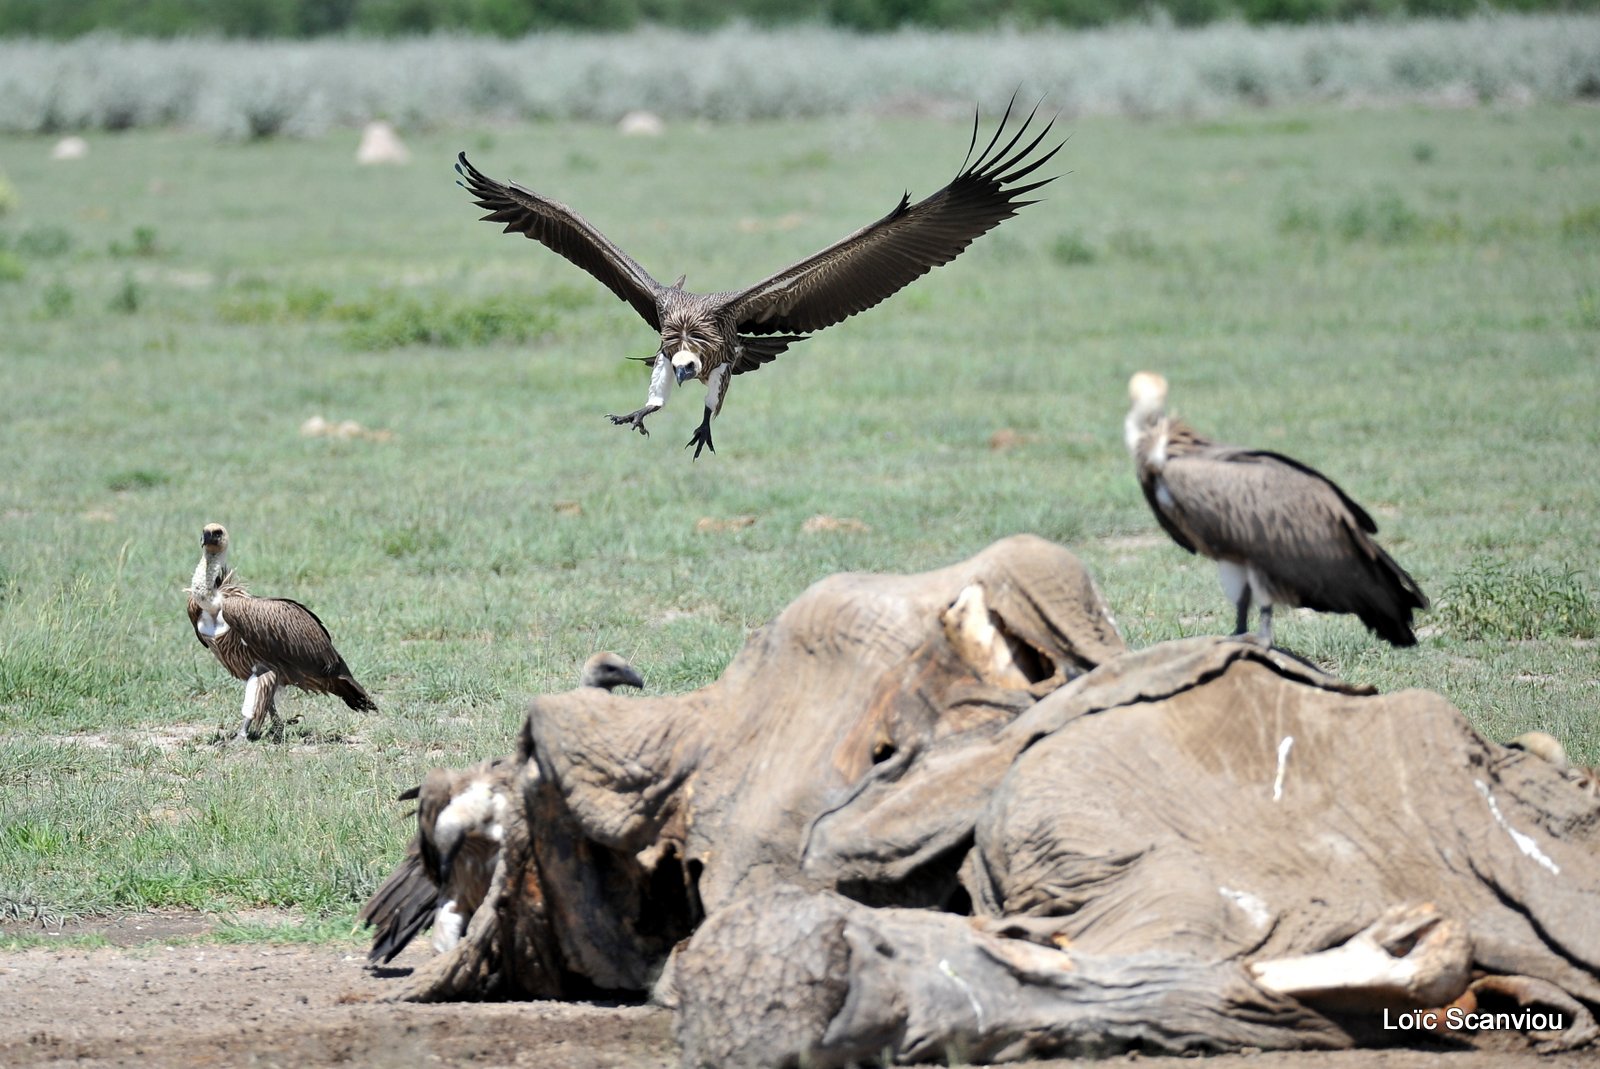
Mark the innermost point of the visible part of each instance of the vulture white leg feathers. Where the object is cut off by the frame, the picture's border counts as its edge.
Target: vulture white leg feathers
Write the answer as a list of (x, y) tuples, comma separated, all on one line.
[(462, 818), (708, 336), (267, 642), (260, 701), (1280, 531)]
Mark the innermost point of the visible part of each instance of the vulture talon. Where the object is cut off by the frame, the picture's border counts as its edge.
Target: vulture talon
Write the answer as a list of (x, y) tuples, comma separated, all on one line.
[(701, 439), (633, 419)]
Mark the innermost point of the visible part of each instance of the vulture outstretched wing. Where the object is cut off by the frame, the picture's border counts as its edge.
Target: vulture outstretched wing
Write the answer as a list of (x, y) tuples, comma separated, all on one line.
[(764, 349), (562, 230), (877, 261)]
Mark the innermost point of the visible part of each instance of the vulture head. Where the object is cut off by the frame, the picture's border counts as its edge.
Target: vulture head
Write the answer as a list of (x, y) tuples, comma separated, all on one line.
[(609, 671), (214, 539), (1544, 745), (1147, 391), (686, 365), (209, 577), (475, 809)]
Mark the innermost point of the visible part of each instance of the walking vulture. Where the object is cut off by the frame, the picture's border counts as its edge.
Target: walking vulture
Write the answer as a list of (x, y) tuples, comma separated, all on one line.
[(1281, 532), (267, 642), (710, 336), (462, 816)]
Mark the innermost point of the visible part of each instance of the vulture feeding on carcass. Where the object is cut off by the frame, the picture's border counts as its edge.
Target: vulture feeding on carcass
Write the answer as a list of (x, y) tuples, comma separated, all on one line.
[(1280, 531), (267, 642), (462, 816), (710, 336)]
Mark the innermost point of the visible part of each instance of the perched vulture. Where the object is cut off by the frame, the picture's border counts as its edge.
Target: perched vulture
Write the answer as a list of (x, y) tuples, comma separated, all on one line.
[(462, 816), (710, 336), (1281, 532), (267, 642)]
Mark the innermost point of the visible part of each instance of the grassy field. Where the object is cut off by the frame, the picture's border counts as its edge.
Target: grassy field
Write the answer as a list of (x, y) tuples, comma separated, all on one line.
[(1409, 300)]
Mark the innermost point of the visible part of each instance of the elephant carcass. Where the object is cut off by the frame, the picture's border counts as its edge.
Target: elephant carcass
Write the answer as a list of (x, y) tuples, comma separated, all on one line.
[(646, 813)]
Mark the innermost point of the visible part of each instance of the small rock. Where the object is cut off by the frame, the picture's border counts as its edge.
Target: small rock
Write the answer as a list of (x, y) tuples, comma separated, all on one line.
[(1005, 438), (717, 523), (821, 522), (641, 124), (70, 148), (380, 144)]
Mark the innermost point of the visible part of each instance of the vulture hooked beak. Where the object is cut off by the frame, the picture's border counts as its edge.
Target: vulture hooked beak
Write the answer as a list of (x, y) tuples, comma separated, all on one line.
[(447, 858)]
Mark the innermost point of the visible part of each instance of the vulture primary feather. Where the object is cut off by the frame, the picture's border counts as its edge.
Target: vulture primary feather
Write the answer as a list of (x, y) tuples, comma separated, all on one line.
[(1280, 531), (712, 336)]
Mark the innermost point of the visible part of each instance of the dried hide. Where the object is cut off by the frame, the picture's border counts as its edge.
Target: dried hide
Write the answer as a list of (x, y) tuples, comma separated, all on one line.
[(647, 813), (817, 980), (1206, 845), (1210, 800), (1245, 805)]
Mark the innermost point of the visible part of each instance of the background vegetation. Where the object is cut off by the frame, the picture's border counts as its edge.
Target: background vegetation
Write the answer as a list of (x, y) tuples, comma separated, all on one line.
[(243, 90), (1408, 299), (511, 18)]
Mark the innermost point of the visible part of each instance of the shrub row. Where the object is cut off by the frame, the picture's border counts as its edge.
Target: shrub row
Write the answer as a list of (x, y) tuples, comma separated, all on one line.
[(514, 18), (260, 89)]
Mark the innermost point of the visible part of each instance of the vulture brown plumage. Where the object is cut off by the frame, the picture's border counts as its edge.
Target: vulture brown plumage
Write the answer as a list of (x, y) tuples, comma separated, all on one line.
[(710, 336), (267, 642), (1280, 531)]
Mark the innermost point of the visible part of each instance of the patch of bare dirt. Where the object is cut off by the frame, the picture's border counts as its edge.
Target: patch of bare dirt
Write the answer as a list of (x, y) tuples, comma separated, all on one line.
[(155, 1004), (267, 1006)]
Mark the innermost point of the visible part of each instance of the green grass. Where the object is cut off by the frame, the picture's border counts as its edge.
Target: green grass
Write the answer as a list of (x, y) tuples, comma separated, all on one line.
[(1420, 325)]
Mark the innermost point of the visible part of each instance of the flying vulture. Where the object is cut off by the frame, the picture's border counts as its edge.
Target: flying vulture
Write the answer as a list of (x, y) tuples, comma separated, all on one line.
[(462, 816), (710, 336), (267, 642), (1280, 531)]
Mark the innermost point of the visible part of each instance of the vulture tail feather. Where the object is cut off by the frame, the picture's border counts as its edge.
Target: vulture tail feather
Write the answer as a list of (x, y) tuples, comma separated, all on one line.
[(1388, 597), (401, 908), (354, 694)]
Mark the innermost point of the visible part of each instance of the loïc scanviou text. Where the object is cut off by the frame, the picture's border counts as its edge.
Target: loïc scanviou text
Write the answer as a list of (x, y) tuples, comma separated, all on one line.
[(1456, 1019)]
